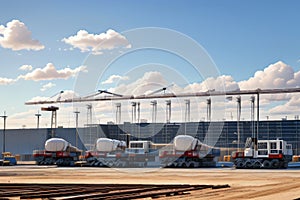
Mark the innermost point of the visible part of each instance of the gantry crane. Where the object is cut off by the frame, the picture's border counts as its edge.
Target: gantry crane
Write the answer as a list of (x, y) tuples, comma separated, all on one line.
[(153, 95)]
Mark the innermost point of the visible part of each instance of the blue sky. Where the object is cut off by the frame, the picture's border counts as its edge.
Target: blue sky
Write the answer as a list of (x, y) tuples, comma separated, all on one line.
[(242, 37)]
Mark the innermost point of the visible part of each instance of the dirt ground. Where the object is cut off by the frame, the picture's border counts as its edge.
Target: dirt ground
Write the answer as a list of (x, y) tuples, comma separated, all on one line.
[(244, 184)]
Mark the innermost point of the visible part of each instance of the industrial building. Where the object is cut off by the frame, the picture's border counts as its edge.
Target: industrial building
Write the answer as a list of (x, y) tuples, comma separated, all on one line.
[(227, 135)]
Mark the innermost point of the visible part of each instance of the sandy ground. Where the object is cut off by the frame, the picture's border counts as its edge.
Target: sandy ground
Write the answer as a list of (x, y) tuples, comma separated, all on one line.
[(244, 184)]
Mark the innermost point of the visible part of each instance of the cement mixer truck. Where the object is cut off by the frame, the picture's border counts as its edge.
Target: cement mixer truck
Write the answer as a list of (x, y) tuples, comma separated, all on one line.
[(115, 153), (189, 152), (107, 153), (57, 152), (185, 151)]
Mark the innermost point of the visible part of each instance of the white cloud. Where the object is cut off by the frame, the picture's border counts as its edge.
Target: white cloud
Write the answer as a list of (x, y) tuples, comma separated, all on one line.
[(49, 72), (115, 78), (68, 94), (6, 81), (38, 98), (16, 36), (278, 75), (154, 80), (219, 83), (149, 81), (26, 68), (47, 86), (288, 108), (96, 43), (22, 118)]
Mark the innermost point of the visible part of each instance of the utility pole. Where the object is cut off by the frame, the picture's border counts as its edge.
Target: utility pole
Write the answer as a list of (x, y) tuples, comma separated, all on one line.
[(168, 111), (208, 110), (76, 137), (187, 110), (154, 110), (4, 127), (89, 124), (257, 121), (238, 100), (187, 113), (118, 113), (252, 99), (139, 118), (138, 112), (168, 118), (38, 119), (133, 112)]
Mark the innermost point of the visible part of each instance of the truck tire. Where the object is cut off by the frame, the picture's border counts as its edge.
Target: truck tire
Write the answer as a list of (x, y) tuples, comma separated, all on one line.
[(275, 164), (257, 165), (240, 165), (266, 164), (248, 165), (192, 164), (184, 165)]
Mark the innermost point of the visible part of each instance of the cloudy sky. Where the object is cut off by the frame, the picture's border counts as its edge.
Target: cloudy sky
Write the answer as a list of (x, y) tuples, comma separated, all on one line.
[(192, 46)]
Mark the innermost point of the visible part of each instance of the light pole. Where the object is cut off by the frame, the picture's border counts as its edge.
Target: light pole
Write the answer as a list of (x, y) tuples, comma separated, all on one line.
[(4, 126), (118, 113), (268, 127), (76, 137), (252, 99), (38, 120), (297, 137), (208, 109), (238, 100), (133, 112)]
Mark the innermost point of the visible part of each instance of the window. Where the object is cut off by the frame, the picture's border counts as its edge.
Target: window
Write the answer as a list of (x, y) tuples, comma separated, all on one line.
[(273, 145), (262, 145), (136, 145), (262, 152)]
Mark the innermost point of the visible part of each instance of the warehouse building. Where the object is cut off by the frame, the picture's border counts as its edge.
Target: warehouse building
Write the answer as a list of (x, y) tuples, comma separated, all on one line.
[(221, 134)]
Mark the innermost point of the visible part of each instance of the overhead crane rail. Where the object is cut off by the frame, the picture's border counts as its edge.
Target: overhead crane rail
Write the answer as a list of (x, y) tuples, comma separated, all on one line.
[(117, 97)]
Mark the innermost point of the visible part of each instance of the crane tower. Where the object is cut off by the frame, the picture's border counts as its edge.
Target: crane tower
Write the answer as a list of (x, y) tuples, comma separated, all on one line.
[(52, 109)]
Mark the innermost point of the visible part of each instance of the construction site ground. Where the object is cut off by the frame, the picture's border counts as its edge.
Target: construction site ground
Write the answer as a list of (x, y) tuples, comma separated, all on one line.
[(244, 184)]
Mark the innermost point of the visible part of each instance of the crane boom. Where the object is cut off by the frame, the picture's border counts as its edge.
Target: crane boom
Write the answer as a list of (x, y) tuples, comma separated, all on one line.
[(168, 95), (107, 92), (100, 92), (161, 89)]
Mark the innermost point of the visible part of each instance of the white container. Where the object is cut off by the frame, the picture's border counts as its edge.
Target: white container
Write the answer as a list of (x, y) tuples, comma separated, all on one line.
[(185, 143), (109, 145), (56, 144)]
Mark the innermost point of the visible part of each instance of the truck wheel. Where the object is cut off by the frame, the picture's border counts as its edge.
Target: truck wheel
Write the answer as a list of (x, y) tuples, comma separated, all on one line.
[(266, 164), (110, 164), (239, 165), (192, 164), (257, 165), (275, 163), (171, 165), (248, 165), (92, 163), (183, 165)]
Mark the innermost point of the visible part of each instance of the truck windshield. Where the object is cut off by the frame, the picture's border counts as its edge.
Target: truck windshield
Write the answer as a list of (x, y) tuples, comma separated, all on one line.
[(136, 145)]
